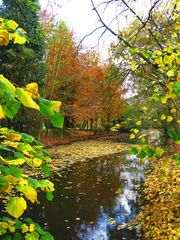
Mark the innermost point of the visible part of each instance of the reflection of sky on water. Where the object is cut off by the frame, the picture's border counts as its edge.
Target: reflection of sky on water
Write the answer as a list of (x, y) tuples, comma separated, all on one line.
[(124, 209)]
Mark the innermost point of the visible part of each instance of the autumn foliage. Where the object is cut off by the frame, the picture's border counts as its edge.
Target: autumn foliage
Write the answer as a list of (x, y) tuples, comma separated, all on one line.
[(78, 77)]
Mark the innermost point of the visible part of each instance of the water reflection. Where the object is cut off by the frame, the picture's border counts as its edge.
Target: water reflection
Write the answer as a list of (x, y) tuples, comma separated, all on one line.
[(92, 199)]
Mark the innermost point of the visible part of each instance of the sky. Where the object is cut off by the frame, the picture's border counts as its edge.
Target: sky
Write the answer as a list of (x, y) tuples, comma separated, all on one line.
[(82, 20)]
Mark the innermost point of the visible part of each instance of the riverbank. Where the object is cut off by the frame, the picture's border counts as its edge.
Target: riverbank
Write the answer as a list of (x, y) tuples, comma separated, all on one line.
[(159, 217), (77, 136)]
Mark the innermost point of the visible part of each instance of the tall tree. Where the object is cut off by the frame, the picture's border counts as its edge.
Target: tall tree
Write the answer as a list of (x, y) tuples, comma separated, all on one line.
[(24, 64), (31, 54)]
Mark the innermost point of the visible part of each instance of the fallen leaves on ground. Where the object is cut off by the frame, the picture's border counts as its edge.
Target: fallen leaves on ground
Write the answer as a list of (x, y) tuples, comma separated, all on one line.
[(160, 216)]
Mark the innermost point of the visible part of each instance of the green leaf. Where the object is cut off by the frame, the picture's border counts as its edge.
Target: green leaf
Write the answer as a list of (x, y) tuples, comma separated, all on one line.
[(134, 151), (27, 138), (156, 97), (32, 236), (34, 182), (47, 236), (46, 170), (142, 154), (45, 152), (24, 147), (38, 143), (3, 182), (57, 120), (176, 87), (16, 206), (15, 171), (7, 238), (159, 151), (10, 105), (173, 135), (150, 152), (18, 236), (49, 196), (45, 107), (147, 54)]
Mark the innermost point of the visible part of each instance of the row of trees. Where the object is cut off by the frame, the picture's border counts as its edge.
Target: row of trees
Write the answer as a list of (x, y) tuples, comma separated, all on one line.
[(90, 90)]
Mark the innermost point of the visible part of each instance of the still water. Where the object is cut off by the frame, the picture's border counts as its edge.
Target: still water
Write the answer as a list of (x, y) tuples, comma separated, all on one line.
[(93, 199)]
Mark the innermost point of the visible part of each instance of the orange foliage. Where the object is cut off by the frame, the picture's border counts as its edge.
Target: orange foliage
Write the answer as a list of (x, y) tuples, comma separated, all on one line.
[(79, 80)]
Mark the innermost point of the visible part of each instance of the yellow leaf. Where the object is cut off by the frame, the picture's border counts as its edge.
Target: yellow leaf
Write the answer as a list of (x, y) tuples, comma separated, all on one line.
[(18, 39), (143, 139), (163, 117), (164, 99), (159, 60), (132, 136), (18, 161), (14, 137), (24, 228), (32, 228), (138, 123), (23, 182), (56, 106), (4, 225), (169, 119), (173, 56), (170, 86), (37, 162), (32, 90), (173, 110), (4, 37), (136, 130), (8, 84), (11, 179), (170, 73), (12, 24), (134, 66), (16, 206), (1, 113), (29, 192), (158, 52), (25, 99), (12, 229), (159, 151), (143, 136), (22, 30)]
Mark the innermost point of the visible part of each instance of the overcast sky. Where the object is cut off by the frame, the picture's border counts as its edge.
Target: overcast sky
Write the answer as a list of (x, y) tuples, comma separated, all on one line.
[(80, 18)]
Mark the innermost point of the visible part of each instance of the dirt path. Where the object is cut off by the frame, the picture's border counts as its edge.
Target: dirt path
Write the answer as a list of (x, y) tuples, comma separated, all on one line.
[(79, 151)]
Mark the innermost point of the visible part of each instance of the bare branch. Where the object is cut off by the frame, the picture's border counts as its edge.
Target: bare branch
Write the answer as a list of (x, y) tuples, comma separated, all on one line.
[(128, 44), (144, 23), (89, 34)]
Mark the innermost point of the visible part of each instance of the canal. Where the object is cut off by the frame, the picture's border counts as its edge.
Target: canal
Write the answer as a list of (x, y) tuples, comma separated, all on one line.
[(94, 199)]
